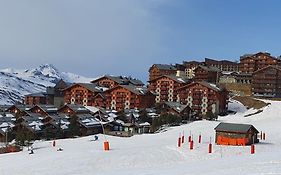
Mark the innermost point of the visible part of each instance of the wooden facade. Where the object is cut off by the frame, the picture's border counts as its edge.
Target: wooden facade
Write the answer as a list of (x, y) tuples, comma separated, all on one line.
[(43, 110), (52, 96), (128, 96), (203, 97), (190, 66), (267, 82), (157, 70), (253, 62), (18, 110), (223, 65), (165, 87), (113, 81), (208, 74), (81, 93), (176, 108), (73, 109), (236, 134), (36, 98)]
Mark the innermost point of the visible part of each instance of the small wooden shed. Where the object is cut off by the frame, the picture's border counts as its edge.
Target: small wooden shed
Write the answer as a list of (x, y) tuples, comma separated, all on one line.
[(236, 134)]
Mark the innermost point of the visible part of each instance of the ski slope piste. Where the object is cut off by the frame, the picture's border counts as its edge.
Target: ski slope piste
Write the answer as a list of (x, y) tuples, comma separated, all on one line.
[(158, 154)]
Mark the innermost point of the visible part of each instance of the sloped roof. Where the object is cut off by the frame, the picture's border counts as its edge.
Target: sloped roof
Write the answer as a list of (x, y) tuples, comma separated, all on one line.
[(220, 61), (122, 80), (246, 55), (179, 79), (206, 84), (176, 106), (47, 108), (270, 66), (90, 86), (39, 94), (88, 121), (234, 127), (211, 86), (76, 108), (209, 68), (21, 107), (165, 66), (135, 89)]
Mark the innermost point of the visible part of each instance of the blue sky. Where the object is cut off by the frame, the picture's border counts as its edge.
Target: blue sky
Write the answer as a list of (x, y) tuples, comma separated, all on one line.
[(125, 37)]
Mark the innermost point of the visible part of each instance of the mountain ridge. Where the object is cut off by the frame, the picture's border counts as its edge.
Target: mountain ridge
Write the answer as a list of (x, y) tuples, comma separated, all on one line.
[(14, 84)]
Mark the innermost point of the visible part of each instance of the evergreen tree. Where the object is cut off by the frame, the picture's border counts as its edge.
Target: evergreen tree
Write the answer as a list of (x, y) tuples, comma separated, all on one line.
[(144, 117), (121, 116), (73, 126), (24, 136)]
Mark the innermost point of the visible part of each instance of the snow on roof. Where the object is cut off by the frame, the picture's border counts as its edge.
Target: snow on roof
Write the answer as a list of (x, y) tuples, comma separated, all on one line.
[(180, 79), (6, 125), (215, 86), (9, 115), (136, 115), (120, 121), (92, 109), (35, 123), (64, 126), (112, 115), (110, 119), (144, 124)]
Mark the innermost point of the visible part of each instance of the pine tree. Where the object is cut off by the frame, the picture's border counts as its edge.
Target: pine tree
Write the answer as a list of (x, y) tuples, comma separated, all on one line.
[(73, 126)]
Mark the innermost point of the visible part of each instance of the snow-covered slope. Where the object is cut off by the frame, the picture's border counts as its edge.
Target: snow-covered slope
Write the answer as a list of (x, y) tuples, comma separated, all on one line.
[(157, 153), (14, 84)]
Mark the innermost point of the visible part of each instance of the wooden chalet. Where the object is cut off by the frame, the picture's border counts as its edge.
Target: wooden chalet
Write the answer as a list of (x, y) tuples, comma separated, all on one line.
[(113, 81), (100, 100), (266, 82), (73, 109), (157, 70), (250, 63), (44, 110), (129, 96), (208, 74), (82, 93), (37, 98), (236, 134), (222, 65), (164, 87), (18, 110), (31, 123), (52, 96), (190, 66), (203, 97), (89, 125), (176, 108)]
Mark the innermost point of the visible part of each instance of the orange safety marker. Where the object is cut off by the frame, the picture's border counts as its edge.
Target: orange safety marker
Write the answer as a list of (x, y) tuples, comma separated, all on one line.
[(252, 149), (191, 145), (106, 145)]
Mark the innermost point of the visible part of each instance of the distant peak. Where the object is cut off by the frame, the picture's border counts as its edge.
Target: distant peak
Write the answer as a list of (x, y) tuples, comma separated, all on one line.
[(47, 66)]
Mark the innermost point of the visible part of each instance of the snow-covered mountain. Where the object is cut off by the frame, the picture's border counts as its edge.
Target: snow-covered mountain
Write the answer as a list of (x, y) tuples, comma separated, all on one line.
[(14, 84)]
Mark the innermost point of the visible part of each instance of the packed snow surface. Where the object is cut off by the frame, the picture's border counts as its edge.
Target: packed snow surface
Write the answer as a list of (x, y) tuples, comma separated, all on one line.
[(153, 154)]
